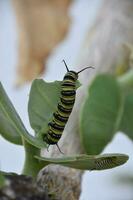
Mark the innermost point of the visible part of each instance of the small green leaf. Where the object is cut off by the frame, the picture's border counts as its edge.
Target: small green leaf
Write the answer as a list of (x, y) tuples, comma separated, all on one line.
[(101, 114), (87, 162), (11, 126), (126, 124), (43, 101)]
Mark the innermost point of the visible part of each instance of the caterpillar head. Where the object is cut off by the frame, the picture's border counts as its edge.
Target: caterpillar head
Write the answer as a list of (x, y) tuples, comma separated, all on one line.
[(73, 73)]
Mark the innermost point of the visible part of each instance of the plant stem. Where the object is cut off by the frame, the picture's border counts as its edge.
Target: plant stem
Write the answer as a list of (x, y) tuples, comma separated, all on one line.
[(31, 166), (126, 81)]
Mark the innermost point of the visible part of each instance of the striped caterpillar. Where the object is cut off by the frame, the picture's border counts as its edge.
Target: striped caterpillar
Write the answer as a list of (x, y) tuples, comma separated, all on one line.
[(64, 108)]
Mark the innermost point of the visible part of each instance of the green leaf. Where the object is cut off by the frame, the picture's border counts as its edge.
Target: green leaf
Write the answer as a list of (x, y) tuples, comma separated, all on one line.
[(101, 114), (11, 126), (126, 124), (10, 123), (43, 101), (88, 162)]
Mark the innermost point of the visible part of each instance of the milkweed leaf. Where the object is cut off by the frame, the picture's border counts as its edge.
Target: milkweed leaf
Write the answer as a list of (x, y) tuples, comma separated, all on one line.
[(88, 162), (43, 101), (10, 123), (101, 114), (11, 126)]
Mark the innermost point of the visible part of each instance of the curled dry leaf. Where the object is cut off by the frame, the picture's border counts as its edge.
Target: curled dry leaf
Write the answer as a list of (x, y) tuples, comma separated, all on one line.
[(42, 24)]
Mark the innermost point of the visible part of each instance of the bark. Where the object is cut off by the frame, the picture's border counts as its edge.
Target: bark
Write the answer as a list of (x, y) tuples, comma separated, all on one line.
[(103, 48)]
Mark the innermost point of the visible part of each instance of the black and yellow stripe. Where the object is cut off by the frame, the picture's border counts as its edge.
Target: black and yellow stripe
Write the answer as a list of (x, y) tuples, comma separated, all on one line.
[(64, 108)]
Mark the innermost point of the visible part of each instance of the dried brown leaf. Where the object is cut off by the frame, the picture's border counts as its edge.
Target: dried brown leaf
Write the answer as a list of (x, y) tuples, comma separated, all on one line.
[(42, 24)]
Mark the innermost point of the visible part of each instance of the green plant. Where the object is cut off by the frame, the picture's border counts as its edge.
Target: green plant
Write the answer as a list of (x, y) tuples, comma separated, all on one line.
[(43, 101), (107, 110)]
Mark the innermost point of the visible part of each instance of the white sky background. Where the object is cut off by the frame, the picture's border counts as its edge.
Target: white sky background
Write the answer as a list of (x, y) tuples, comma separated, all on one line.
[(96, 185)]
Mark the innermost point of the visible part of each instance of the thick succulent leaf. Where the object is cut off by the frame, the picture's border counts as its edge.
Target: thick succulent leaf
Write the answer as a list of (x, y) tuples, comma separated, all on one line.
[(11, 126), (126, 124), (43, 103), (88, 162), (101, 114)]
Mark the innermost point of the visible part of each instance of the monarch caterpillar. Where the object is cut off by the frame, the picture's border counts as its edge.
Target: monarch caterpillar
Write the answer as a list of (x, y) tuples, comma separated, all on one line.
[(64, 107)]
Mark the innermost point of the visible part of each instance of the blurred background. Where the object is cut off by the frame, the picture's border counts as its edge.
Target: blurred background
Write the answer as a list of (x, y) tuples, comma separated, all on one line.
[(20, 49)]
